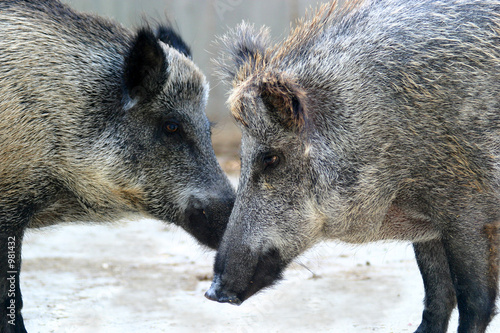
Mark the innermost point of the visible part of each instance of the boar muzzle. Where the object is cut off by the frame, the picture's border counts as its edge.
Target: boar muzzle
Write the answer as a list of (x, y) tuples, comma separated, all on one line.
[(234, 283), (206, 219)]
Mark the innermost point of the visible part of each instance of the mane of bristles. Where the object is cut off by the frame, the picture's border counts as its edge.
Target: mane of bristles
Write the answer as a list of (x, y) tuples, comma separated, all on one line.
[(306, 29), (309, 27)]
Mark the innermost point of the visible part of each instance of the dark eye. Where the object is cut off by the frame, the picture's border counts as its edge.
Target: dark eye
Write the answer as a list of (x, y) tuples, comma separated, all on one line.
[(271, 161), (170, 127)]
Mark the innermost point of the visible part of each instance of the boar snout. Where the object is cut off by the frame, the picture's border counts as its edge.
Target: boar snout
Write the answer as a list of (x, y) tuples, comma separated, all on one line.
[(207, 217), (218, 294), (240, 274)]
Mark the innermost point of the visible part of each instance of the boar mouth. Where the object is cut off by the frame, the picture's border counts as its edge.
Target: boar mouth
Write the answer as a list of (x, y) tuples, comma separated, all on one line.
[(227, 288)]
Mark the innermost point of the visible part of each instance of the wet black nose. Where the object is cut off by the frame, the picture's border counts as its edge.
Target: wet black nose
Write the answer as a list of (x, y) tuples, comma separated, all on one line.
[(207, 219), (215, 293)]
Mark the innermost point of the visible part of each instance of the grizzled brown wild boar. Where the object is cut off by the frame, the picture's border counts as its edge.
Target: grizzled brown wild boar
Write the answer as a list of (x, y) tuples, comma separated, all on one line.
[(97, 122), (377, 121)]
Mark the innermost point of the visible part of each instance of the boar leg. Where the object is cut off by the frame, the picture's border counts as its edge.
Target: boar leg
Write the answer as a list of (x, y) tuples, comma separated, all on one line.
[(439, 290), (473, 260), (11, 301)]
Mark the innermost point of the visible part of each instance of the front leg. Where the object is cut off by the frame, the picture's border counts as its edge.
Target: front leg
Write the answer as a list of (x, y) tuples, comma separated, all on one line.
[(11, 320), (440, 297)]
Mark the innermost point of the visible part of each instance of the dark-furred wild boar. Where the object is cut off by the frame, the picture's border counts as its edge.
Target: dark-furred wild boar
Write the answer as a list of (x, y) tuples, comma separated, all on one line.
[(379, 120), (98, 122)]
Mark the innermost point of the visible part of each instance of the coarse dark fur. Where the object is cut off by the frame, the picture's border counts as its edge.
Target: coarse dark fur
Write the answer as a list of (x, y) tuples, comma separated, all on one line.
[(98, 123), (376, 121)]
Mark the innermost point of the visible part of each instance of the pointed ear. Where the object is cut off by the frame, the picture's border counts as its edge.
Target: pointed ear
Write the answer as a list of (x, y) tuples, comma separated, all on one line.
[(170, 37), (286, 101), (243, 47), (145, 68)]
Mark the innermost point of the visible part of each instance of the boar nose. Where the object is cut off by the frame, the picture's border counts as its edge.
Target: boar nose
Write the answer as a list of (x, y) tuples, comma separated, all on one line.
[(196, 206), (216, 293), (207, 217)]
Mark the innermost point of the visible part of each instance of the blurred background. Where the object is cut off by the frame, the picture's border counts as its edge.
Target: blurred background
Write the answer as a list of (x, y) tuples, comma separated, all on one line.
[(199, 22)]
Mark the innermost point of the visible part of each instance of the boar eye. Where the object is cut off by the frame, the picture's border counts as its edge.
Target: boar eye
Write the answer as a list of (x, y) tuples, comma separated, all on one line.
[(170, 127), (271, 161)]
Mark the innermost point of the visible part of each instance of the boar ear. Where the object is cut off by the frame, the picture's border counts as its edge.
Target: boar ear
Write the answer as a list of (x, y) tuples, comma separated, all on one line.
[(170, 37), (243, 47), (145, 68), (286, 101)]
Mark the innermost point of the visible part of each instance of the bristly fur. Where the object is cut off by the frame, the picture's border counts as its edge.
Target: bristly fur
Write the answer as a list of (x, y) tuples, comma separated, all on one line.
[(308, 29)]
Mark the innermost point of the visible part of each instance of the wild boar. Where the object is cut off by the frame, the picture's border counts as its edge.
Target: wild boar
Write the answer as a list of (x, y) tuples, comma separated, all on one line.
[(98, 122), (376, 121)]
